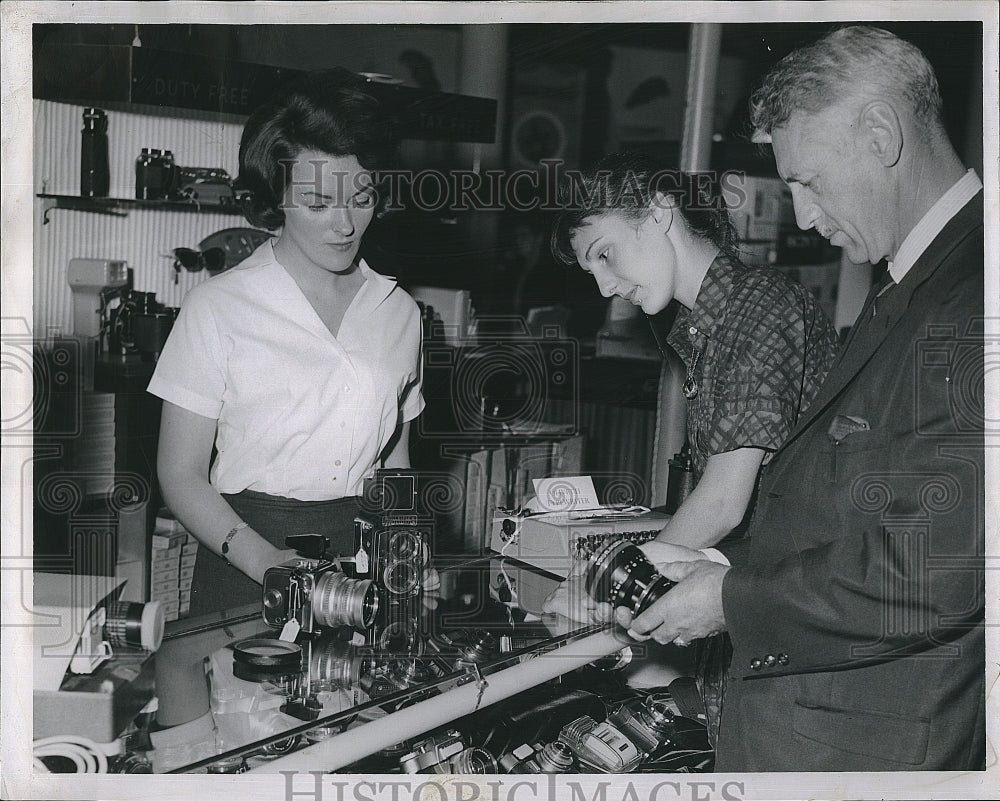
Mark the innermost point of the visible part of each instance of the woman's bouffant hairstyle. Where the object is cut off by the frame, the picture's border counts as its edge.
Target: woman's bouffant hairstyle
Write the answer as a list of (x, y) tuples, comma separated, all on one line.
[(629, 183), (328, 111), (848, 61)]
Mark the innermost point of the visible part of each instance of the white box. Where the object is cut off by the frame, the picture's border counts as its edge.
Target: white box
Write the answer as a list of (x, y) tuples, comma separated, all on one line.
[(452, 306), (550, 543)]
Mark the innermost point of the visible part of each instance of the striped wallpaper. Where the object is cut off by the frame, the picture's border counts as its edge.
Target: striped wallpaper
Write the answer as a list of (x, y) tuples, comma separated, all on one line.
[(141, 237)]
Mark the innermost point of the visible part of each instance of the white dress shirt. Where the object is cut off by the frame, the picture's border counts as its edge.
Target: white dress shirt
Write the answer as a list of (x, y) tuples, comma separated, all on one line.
[(301, 413), (931, 224)]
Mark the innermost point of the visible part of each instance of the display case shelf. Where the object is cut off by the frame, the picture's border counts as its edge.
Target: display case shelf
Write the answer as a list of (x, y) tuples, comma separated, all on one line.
[(121, 206)]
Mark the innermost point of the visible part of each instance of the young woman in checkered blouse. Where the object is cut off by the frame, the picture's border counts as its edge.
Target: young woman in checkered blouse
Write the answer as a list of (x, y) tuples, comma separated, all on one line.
[(756, 345)]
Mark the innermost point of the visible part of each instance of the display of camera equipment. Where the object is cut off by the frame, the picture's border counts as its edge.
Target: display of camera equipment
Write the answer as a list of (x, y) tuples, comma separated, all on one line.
[(649, 727), (393, 556), (209, 185), (621, 575), (336, 661), (447, 753), (400, 496), (477, 646), (315, 592), (537, 758), (264, 659), (134, 625), (234, 764), (600, 745), (396, 630)]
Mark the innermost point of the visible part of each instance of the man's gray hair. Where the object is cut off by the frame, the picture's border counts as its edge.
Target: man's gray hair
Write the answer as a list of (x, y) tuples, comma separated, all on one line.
[(842, 63)]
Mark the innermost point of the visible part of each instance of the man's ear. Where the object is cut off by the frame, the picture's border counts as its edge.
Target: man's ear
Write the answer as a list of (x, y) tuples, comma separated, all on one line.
[(880, 125)]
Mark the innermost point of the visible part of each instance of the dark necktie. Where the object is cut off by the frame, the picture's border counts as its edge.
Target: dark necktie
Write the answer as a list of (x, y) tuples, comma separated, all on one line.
[(884, 286)]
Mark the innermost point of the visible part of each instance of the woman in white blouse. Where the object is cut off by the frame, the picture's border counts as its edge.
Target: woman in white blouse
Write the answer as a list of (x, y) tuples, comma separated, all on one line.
[(301, 365)]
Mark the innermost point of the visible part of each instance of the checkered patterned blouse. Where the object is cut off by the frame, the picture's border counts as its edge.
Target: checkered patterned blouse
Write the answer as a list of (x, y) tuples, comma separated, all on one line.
[(764, 349)]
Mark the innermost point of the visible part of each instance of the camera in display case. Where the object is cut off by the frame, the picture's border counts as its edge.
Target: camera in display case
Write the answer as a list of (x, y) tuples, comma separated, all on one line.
[(447, 753), (317, 593), (394, 557)]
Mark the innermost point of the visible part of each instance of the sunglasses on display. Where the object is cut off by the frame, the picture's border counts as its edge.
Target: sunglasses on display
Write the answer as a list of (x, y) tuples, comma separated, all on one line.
[(212, 259)]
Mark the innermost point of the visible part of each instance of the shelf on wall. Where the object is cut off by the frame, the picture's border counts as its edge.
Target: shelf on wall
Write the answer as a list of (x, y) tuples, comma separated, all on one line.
[(120, 206)]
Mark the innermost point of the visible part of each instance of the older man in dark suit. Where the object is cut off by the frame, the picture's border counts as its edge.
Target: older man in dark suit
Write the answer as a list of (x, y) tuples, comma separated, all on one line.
[(856, 603)]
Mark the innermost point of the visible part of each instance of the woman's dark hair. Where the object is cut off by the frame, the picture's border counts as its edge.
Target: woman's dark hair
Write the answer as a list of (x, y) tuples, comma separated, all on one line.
[(628, 183), (326, 110)]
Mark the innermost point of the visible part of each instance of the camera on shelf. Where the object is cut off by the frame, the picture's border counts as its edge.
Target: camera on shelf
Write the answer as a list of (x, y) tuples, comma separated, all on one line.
[(314, 591), (650, 726), (553, 757), (447, 753)]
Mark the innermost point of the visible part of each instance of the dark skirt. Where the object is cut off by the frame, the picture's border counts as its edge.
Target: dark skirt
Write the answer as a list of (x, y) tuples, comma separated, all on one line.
[(217, 585)]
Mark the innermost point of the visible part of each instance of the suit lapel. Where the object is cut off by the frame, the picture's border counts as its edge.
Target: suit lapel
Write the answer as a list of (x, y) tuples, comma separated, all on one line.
[(871, 332)]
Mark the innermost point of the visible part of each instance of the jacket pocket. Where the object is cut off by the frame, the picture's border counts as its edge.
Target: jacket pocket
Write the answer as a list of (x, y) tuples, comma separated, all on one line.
[(858, 453), (887, 737)]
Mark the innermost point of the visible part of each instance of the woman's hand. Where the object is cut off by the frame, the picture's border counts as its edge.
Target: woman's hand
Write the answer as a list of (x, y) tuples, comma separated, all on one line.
[(431, 588), (571, 600)]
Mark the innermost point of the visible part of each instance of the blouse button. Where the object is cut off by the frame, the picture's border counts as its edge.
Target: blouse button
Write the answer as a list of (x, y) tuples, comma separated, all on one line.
[(692, 330), (337, 463)]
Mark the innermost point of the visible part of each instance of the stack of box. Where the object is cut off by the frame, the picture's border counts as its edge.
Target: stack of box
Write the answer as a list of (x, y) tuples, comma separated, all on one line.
[(172, 566)]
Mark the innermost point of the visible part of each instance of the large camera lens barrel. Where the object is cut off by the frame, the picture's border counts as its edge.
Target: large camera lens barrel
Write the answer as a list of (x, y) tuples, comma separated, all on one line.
[(134, 624), (621, 575), (473, 760), (341, 601)]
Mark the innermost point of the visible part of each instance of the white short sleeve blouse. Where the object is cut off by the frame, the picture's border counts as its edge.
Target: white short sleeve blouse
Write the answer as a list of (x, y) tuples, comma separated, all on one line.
[(301, 413)]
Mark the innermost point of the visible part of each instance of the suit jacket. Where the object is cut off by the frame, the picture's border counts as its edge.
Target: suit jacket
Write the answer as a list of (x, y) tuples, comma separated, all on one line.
[(856, 610)]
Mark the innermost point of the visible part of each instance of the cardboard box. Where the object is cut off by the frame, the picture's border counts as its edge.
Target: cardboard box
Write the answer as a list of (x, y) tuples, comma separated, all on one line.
[(551, 542), (165, 541), (86, 707)]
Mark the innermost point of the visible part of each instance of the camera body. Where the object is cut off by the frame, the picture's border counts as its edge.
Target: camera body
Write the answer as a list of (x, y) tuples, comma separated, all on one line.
[(394, 556), (554, 757), (600, 745), (395, 526), (649, 727), (447, 753), (316, 593)]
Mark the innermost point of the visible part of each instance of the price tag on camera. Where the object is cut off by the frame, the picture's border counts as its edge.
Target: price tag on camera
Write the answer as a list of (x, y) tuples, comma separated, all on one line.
[(361, 561), (290, 631)]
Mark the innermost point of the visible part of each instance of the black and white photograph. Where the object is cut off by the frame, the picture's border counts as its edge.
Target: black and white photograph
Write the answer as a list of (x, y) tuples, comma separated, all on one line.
[(500, 401)]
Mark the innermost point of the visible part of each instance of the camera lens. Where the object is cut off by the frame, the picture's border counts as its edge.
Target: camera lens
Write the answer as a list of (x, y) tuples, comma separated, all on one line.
[(338, 600), (401, 578), (621, 575), (659, 715), (474, 760), (404, 544), (555, 757), (273, 598), (134, 624)]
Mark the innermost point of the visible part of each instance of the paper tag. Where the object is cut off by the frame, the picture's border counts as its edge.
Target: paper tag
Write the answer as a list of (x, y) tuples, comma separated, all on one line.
[(290, 631), (566, 493), (361, 561)]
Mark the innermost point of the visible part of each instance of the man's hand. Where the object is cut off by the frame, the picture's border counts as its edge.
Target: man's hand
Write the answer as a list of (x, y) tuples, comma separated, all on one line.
[(689, 611), (660, 552)]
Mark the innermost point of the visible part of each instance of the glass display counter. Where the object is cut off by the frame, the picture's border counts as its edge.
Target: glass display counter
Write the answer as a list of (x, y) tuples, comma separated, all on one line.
[(450, 681)]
